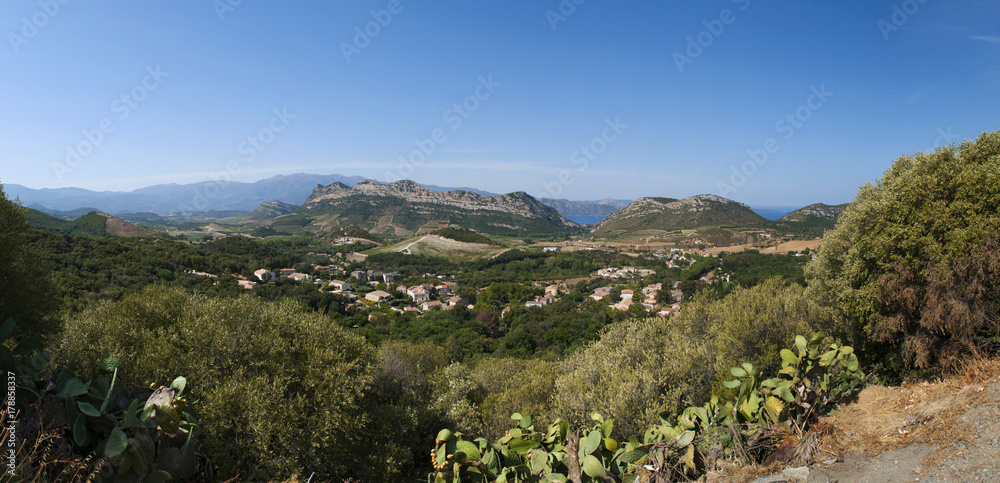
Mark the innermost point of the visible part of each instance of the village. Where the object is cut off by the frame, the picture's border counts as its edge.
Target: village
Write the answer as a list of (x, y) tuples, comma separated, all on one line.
[(624, 289)]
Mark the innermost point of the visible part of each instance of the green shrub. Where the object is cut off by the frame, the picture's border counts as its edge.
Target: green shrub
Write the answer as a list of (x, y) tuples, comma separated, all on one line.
[(280, 391), (400, 404), (749, 325), (637, 369), (477, 397), (912, 265)]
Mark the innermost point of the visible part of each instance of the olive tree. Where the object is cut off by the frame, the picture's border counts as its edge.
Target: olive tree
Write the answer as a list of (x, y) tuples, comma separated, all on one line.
[(911, 266)]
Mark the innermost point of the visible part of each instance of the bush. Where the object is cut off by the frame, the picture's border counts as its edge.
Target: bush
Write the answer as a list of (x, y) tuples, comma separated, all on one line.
[(636, 370), (479, 397), (912, 264), (280, 391), (25, 286), (749, 325), (400, 404)]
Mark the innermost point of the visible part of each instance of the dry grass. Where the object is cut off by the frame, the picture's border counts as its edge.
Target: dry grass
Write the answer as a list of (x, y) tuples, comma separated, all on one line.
[(888, 418)]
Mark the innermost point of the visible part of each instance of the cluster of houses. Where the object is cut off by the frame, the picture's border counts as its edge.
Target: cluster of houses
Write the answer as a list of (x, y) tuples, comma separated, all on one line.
[(624, 272), (646, 298), (678, 257), (424, 297)]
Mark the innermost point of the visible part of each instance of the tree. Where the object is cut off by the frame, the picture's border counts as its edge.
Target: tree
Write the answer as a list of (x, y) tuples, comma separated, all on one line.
[(490, 321), (26, 290), (280, 390), (911, 265)]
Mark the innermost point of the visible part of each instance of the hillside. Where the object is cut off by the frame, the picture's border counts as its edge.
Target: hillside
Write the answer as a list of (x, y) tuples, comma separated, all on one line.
[(462, 235), (816, 210), (271, 209), (403, 207), (93, 224), (811, 220), (670, 214), (439, 246), (352, 231)]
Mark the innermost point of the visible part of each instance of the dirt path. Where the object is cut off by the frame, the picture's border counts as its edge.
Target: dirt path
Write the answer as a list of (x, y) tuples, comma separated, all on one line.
[(407, 247)]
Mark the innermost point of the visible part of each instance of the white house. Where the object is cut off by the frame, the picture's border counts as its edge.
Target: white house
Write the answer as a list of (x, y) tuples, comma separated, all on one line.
[(418, 294), (378, 296), (264, 275), (342, 285)]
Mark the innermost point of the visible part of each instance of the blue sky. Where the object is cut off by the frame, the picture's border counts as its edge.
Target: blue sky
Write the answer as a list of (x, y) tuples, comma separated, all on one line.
[(667, 99)]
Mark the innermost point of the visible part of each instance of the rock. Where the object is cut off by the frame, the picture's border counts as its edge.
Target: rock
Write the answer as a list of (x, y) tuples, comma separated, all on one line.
[(801, 472)]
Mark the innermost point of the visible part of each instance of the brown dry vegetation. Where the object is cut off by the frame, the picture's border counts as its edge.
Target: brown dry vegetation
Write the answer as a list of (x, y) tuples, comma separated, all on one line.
[(945, 430)]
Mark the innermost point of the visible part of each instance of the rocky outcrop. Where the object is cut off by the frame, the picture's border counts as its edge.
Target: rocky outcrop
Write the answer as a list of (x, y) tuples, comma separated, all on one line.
[(517, 203), (669, 213), (819, 210), (271, 209)]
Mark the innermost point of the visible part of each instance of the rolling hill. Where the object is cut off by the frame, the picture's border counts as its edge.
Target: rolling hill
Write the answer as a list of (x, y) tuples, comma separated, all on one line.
[(272, 209), (404, 207), (93, 224), (811, 220), (672, 214), (439, 246), (816, 210)]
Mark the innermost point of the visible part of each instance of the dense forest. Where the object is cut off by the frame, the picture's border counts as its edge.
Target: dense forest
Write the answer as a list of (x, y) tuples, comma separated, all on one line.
[(126, 363)]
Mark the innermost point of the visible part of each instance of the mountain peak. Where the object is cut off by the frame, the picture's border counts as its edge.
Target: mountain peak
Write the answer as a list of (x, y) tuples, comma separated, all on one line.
[(818, 210), (385, 200), (669, 213)]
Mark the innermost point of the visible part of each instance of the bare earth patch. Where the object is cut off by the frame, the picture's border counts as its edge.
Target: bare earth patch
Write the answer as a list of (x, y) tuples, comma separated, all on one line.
[(929, 432), (789, 246)]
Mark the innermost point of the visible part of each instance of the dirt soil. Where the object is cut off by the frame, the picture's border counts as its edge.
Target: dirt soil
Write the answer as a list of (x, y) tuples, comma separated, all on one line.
[(789, 246), (929, 432)]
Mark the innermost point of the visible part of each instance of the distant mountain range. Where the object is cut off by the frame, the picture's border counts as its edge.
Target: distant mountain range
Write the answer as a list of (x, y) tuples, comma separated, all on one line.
[(179, 198), (215, 196)]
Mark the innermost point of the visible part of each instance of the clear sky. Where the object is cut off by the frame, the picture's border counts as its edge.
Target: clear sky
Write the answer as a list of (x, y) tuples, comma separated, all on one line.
[(666, 97)]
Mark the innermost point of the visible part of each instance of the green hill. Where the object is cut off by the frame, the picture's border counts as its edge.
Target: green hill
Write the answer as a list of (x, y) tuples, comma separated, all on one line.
[(93, 224), (467, 236), (812, 220), (352, 231), (672, 214), (403, 207)]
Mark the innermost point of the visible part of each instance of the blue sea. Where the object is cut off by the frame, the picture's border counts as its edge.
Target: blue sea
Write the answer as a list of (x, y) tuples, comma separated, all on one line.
[(773, 212), (585, 219)]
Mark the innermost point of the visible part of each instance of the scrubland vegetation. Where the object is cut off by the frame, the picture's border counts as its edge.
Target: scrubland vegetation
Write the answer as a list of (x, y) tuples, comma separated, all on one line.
[(281, 383)]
